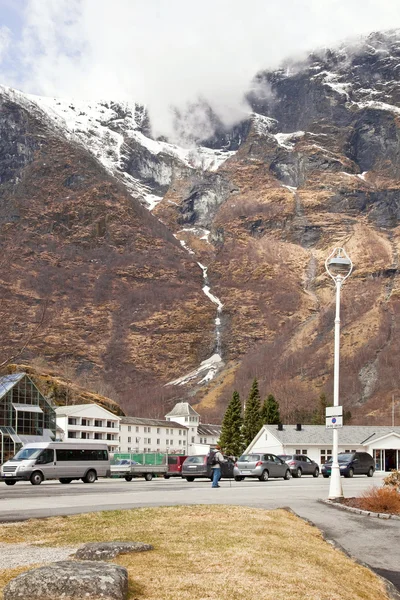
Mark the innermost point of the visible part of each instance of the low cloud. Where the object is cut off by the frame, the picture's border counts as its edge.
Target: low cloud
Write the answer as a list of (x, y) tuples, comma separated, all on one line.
[(170, 53)]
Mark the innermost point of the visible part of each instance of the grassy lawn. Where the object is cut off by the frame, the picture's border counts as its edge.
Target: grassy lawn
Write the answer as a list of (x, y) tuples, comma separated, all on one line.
[(212, 552)]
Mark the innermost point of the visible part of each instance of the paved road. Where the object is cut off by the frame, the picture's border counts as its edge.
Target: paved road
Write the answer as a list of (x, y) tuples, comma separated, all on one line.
[(373, 541)]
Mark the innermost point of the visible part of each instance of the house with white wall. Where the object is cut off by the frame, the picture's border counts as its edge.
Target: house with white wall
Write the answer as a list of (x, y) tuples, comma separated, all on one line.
[(199, 433), (152, 435), (383, 443), (89, 422)]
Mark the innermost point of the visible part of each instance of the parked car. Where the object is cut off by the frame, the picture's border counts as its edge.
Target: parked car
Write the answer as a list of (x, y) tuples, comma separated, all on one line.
[(195, 467), (351, 463), (300, 464), (261, 466), (175, 463)]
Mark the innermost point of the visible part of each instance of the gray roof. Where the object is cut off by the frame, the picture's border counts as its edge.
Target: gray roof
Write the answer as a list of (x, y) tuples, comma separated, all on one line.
[(8, 381), (208, 429), (318, 434), (71, 409), (182, 409), (151, 422)]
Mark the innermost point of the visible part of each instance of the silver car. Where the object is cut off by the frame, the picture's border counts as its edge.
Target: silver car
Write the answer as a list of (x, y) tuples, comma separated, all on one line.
[(300, 464), (260, 465)]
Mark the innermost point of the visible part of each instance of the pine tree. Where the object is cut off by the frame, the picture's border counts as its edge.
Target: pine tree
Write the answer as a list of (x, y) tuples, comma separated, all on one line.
[(270, 411), (252, 419), (231, 441)]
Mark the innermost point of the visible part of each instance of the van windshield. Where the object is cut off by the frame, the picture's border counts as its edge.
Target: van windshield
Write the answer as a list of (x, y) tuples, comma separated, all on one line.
[(27, 453)]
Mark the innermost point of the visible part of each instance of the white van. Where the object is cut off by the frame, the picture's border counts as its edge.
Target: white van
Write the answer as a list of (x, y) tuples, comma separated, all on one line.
[(57, 460)]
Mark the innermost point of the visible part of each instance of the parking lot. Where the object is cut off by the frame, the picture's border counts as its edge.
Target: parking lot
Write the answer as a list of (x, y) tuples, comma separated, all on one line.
[(52, 498)]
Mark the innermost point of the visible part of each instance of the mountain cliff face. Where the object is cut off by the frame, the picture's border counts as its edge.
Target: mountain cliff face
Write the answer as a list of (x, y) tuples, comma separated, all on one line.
[(224, 280)]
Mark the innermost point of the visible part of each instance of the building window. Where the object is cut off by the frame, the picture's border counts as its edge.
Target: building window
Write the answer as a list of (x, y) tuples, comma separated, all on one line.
[(167, 442), (167, 432), (172, 432), (129, 428), (84, 422), (158, 430), (192, 440), (171, 442), (110, 424), (98, 436), (186, 419), (325, 455), (184, 432), (180, 442), (72, 434), (98, 423), (84, 435), (137, 429), (71, 421), (158, 442), (129, 449), (180, 432), (129, 440)]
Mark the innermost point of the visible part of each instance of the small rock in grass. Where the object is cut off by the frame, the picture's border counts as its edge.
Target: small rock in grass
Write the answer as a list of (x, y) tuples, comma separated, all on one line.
[(107, 550)]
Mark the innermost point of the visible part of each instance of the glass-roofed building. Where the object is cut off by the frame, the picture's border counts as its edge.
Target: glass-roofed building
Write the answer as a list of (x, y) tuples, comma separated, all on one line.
[(25, 414)]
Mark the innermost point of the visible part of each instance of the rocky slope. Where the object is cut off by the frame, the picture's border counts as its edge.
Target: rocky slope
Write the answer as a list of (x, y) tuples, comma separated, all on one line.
[(316, 165)]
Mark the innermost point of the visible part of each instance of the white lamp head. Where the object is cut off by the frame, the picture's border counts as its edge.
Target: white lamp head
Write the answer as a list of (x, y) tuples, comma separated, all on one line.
[(338, 265)]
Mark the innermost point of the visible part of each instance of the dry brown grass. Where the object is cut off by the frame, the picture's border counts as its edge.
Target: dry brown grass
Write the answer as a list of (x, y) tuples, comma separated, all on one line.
[(381, 500), (213, 553)]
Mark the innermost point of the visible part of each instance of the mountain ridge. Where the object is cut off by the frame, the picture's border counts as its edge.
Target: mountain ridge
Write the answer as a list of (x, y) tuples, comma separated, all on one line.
[(315, 165)]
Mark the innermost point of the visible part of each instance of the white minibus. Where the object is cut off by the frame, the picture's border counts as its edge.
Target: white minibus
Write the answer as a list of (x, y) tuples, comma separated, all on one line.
[(57, 460)]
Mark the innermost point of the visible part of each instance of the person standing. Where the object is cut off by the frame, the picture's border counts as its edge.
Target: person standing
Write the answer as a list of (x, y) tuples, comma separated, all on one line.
[(218, 459)]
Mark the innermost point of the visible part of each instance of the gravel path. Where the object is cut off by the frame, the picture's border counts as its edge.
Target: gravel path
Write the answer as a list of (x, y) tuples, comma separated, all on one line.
[(18, 555)]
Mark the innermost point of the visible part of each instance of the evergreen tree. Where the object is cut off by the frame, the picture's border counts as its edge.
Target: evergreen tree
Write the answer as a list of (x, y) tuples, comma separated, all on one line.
[(252, 419), (270, 411), (318, 417), (231, 441)]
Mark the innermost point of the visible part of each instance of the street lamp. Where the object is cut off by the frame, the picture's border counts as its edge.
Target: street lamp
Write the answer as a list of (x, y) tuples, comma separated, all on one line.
[(338, 266)]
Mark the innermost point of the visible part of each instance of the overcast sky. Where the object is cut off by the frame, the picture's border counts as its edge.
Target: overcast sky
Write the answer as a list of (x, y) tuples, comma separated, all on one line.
[(168, 52)]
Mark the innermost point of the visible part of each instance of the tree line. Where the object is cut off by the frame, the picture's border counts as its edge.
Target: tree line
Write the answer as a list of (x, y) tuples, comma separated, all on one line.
[(239, 428)]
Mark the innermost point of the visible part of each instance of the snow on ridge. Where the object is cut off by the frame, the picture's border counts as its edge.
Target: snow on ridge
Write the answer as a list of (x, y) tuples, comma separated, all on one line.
[(378, 106), (210, 365), (262, 124), (288, 140)]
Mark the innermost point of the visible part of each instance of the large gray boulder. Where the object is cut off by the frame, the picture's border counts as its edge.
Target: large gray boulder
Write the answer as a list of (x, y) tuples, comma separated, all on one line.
[(107, 550), (70, 580)]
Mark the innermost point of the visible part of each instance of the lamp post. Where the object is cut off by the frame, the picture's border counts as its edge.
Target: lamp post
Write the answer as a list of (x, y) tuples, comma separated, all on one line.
[(338, 266)]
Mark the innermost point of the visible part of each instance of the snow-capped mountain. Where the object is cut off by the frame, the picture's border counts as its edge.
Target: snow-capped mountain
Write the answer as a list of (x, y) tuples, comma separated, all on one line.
[(224, 279)]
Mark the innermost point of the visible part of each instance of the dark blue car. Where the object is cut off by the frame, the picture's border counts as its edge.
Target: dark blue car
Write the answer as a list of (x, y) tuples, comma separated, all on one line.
[(351, 463)]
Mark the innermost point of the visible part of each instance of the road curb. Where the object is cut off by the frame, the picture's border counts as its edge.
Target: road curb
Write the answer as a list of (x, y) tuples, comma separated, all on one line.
[(358, 511)]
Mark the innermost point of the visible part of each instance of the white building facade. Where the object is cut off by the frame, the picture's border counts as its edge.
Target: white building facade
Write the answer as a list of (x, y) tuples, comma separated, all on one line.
[(89, 422), (383, 443), (139, 435), (199, 434)]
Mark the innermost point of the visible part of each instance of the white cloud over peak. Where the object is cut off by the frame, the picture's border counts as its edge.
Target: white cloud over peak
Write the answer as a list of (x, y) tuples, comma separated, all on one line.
[(170, 52)]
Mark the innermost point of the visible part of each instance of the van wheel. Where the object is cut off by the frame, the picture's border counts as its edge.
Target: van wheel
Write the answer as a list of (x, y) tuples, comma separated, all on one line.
[(299, 472), (287, 475), (350, 473), (264, 476), (370, 472), (238, 478), (65, 480), (10, 482), (316, 473), (36, 478), (90, 477), (189, 478), (148, 476), (166, 476), (128, 477)]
